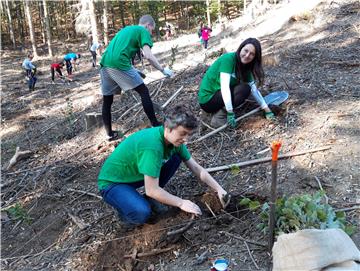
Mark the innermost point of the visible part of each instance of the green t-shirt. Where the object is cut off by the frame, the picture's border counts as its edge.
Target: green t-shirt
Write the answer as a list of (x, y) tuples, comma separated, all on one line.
[(142, 153), (210, 84), (124, 46)]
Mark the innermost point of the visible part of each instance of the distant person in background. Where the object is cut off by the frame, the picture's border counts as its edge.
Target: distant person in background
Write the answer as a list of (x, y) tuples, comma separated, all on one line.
[(205, 35), (95, 47), (56, 67), (230, 80), (70, 61), (167, 30), (199, 32), (30, 71), (117, 72)]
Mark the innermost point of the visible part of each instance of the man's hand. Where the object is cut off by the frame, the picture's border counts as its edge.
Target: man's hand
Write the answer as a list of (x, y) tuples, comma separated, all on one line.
[(190, 207), (167, 72), (231, 119)]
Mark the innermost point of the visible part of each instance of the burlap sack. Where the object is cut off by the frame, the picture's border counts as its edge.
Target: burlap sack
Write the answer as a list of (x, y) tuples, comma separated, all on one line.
[(305, 250)]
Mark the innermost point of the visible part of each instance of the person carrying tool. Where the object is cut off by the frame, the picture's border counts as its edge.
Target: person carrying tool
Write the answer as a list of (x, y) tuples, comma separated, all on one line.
[(30, 71), (230, 80), (56, 67), (117, 73), (149, 158), (70, 61), (95, 47)]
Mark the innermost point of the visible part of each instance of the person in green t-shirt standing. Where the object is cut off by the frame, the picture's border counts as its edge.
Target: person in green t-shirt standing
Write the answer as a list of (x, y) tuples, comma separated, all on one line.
[(230, 80), (149, 158), (118, 74)]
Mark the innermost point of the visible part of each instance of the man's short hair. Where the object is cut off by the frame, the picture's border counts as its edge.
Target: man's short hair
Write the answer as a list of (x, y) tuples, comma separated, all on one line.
[(180, 115), (147, 19)]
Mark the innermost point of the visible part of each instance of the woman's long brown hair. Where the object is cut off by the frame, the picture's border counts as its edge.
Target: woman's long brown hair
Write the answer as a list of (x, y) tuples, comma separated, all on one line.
[(255, 66)]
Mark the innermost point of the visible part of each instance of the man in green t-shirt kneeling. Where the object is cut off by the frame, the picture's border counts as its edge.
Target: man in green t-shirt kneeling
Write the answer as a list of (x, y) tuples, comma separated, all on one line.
[(149, 158)]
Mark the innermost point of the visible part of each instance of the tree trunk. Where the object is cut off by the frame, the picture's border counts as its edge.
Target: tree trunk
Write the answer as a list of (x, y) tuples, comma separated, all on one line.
[(122, 15), (11, 28), (47, 28), (41, 21), (208, 12), (219, 11), (20, 23), (93, 21), (31, 27), (105, 23)]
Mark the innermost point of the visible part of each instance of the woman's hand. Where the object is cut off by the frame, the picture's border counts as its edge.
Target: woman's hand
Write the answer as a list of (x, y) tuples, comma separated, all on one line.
[(190, 207)]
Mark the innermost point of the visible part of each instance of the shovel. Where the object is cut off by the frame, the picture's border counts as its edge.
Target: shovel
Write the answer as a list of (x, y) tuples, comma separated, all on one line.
[(274, 98)]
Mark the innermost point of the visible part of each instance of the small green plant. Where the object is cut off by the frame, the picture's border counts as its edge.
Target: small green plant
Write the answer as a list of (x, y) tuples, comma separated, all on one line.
[(300, 212), (235, 170), (18, 212)]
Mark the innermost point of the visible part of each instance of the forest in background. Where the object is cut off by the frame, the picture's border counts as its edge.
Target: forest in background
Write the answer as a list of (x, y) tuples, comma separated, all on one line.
[(36, 25)]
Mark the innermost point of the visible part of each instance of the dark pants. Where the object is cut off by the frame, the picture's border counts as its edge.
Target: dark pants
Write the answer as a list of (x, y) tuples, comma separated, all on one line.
[(69, 67), (53, 73), (31, 79), (131, 206), (146, 103), (239, 94), (205, 43), (93, 53)]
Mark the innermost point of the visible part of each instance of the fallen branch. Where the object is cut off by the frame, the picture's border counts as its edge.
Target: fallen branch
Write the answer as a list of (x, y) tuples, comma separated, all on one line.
[(243, 239), (172, 97), (321, 188), (78, 221), (211, 211), (348, 209), (265, 159), (151, 253), (225, 125), (183, 229), (251, 256), (85, 193), (17, 157)]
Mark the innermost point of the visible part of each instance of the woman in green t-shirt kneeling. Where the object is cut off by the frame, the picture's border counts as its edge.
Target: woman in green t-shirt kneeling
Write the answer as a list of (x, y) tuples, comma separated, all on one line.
[(230, 80), (149, 158)]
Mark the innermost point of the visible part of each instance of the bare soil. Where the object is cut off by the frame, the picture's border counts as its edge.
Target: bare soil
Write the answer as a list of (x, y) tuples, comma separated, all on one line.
[(66, 225)]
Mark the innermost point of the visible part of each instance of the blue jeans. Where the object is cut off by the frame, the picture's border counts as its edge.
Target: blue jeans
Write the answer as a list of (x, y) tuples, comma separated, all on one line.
[(132, 207)]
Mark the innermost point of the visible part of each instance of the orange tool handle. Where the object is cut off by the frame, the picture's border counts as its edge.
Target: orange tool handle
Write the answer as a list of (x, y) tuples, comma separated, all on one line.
[(275, 147)]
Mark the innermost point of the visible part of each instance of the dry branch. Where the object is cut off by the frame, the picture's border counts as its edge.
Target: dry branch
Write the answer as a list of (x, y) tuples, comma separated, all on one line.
[(251, 256), (264, 160), (243, 239), (84, 192), (172, 97), (151, 253), (17, 157), (78, 221), (183, 229), (225, 125)]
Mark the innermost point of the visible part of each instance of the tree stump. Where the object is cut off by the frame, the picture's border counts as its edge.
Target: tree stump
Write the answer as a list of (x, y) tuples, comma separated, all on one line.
[(93, 120)]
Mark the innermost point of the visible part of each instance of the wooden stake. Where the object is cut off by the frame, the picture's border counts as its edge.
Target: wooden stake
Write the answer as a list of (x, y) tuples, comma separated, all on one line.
[(265, 159)]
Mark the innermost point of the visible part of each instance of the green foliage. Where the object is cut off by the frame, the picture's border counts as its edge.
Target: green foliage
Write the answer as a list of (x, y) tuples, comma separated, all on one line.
[(18, 212), (235, 170), (300, 212)]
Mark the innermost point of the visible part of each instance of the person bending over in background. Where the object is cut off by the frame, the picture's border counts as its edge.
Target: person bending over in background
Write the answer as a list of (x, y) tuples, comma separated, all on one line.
[(230, 80), (70, 61), (30, 71), (117, 73), (56, 67), (149, 158)]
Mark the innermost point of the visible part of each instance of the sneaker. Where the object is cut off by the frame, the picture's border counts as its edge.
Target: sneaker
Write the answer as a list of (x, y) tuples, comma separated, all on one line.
[(114, 136), (219, 118)]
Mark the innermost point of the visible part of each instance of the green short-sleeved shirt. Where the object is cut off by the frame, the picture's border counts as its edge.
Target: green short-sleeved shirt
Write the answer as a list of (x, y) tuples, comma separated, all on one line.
[(142, 153), (210, 84), (124, 46)]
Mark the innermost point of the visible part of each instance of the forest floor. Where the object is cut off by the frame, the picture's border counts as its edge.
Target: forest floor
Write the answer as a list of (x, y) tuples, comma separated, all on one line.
[(52, 215)]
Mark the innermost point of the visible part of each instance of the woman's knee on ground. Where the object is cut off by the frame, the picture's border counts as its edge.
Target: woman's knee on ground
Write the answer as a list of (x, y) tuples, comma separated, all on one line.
[(139, 214)]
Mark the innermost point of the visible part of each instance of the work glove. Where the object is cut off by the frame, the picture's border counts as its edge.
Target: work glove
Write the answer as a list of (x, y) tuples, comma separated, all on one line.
[(231, 119), (167, 72), (269, 115)]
